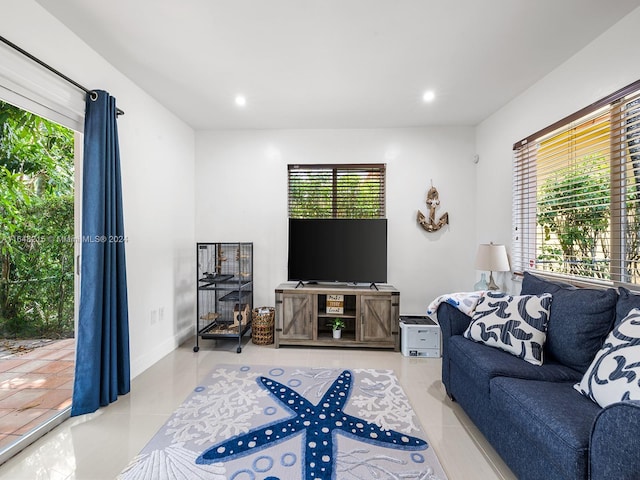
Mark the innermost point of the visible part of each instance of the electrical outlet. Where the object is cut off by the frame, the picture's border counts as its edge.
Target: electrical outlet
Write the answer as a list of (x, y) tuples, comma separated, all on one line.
[(160, 314), (154, 317)]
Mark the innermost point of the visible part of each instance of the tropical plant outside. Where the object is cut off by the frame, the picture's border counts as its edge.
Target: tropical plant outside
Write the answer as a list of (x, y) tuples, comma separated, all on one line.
[(573, 212), (574, 216), (36, 226), (362, 201)]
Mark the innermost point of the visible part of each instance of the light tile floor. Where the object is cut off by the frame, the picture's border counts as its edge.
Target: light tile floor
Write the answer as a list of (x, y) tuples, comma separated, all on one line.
[(98, 446), (34, 387)]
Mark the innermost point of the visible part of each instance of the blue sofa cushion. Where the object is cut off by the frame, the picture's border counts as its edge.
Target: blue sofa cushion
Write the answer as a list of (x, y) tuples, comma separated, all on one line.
[(627, 301), (515, 324), (552, 416), (615, 372), (485, 363), (580, 319)]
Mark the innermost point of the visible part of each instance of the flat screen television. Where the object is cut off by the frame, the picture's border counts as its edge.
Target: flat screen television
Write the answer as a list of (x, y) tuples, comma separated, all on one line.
[(338, 250)]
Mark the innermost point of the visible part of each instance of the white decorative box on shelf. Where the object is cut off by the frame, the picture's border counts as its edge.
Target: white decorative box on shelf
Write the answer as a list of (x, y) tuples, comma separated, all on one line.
[(420, 336)]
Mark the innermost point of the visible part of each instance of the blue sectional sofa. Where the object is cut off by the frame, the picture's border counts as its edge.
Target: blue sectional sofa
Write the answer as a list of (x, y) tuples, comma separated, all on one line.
[(539, 424)]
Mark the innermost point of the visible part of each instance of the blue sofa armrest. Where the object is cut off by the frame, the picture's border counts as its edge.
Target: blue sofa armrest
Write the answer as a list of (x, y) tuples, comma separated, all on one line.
[(613, 449), (452, 322)]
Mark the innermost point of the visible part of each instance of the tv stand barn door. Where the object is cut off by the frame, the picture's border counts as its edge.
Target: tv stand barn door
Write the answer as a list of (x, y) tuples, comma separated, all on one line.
[(294, 318), (377, 322), (371, 317)]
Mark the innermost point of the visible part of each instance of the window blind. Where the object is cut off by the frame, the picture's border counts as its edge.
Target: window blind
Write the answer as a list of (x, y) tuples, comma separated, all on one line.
[(337, 191), (27, 85), (576, 194)]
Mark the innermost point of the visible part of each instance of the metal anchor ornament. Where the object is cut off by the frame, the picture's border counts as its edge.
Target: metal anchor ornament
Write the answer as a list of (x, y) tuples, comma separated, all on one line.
[(433, 201)]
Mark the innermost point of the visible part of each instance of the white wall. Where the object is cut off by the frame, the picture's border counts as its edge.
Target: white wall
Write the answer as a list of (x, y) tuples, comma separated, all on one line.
[(157, 155), (602, 67), (241, 195)]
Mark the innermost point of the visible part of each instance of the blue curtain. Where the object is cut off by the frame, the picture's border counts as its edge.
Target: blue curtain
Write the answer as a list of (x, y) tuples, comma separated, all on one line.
[(102, 352)]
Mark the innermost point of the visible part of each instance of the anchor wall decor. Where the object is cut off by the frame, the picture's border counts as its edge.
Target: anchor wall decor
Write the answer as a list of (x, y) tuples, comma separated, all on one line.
[(433, 201)]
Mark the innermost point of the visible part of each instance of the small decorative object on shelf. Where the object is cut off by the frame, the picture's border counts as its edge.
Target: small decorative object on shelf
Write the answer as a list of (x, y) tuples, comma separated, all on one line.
[(335, 303), (433, 202), (224, 291), (337, 325)]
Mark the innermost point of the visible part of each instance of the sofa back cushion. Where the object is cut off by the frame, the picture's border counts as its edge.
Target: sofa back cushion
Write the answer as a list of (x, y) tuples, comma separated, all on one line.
[(627, 301), (579, 321)]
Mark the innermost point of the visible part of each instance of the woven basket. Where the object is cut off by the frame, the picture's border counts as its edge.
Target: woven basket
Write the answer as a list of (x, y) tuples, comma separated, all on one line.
[(262, 325)]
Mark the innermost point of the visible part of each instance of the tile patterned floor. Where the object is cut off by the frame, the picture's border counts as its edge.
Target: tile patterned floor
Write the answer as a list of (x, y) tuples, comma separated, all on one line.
[(34, 387)]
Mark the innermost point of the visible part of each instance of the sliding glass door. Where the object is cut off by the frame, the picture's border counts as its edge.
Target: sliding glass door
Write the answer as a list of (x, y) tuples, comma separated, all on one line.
[(37, 272)]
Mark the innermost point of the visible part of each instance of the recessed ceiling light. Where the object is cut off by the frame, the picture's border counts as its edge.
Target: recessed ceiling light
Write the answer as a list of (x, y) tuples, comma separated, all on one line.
[(428, 96), (241, 100)]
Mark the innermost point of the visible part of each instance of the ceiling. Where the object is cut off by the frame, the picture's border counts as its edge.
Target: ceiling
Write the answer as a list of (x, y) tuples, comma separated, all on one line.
[(336, 63)]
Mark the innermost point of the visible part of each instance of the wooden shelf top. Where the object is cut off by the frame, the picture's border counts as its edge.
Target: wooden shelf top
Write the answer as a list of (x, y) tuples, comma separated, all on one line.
[(336, 288)]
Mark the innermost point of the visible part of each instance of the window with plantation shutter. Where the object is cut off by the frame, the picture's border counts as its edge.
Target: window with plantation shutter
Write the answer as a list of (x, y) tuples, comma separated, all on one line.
[(337, 191), (576, 198)]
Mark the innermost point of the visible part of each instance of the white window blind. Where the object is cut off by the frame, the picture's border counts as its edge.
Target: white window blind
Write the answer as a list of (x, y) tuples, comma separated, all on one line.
[(576, 207), (27, 85), (337, 191)]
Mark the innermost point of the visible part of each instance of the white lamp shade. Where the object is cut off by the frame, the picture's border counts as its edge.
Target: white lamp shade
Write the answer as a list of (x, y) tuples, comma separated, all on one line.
[(492, 258)]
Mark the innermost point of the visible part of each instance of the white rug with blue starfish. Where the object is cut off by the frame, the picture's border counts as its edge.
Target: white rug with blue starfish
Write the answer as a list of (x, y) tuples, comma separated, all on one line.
[(272, 423)]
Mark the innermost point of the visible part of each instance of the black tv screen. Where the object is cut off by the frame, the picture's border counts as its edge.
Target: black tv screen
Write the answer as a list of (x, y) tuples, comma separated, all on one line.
[(338, 250)]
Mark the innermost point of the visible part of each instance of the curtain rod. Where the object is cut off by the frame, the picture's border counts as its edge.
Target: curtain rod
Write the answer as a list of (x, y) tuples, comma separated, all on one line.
[(51, 69)]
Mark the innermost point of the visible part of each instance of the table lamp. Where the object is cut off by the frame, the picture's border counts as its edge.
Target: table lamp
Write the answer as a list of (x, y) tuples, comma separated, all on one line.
[(492, 258)]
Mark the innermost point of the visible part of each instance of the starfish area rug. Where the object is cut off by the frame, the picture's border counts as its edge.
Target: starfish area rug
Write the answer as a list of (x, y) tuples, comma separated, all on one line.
[(287, 423)]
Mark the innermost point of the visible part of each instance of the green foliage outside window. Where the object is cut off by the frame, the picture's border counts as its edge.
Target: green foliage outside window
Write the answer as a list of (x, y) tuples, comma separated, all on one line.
[(310, 197), (364, 201), (574, 212), (336, 193), (36, 226)]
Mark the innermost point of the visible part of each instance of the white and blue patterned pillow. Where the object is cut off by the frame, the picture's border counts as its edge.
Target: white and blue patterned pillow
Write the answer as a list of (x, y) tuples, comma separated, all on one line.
[(515, 324), (614, 374)]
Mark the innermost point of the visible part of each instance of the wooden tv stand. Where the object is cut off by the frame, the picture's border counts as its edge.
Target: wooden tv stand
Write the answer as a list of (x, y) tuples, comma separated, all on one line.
[(371, 316)]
